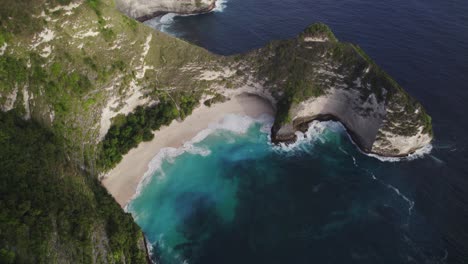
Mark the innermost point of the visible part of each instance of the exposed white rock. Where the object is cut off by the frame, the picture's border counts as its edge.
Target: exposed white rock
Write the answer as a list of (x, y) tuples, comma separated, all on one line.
[(347, 106), (85, 34), (142, 8), (68, 7), (252, 86), (315, 39), (45, 36), (135, 98), (403, 144), (141, 70), (209, 75), (52, 115), (27, 115), (46, 51), (10, 100), (3, 48)]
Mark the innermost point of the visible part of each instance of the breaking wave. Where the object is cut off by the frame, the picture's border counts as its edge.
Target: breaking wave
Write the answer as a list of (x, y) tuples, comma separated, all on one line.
[(238, 124), (164, 22), (316, 132), (220, 5), (426, 150)]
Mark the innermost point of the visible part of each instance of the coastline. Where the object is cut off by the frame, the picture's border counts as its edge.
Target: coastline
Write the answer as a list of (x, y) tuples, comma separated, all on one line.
[(122, 181), (161, 13)]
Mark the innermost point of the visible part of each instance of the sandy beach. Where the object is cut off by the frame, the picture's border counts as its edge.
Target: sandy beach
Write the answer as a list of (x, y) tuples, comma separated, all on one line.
[(123, 180)]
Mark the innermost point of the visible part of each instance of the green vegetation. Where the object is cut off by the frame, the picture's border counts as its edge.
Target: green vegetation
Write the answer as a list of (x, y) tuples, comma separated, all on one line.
[(299, 70), (128, 131), (52, 207), (15, 17), (12, 71), (218, 98), (319, 29), (187, 102), (107, 33), (51, 211)]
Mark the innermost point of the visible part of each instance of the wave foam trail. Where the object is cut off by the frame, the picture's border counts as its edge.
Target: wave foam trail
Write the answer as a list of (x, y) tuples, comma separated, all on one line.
[(316, 132), (352, 157), (220, 5), (397, 191), (416, 155)]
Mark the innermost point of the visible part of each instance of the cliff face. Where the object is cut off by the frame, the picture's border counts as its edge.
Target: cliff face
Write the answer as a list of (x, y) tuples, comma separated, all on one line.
[(118, 64), (145, 9), (316, 77)]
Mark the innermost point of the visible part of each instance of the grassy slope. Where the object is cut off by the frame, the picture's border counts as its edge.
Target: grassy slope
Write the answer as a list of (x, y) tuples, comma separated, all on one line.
[(52, 207)]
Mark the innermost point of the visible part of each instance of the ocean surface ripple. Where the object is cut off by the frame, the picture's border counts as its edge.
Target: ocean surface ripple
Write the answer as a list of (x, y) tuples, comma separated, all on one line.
[(233, 198)]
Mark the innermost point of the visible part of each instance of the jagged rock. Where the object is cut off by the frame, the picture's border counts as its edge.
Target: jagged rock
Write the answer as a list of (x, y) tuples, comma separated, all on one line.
[(146, 9), (321, 78)]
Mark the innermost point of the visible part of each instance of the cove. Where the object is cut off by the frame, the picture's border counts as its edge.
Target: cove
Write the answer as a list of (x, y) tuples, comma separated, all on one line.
[(235, 198)]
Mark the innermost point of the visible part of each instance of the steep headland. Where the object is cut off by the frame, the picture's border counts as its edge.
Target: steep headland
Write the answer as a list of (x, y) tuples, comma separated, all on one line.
[(317, 77)]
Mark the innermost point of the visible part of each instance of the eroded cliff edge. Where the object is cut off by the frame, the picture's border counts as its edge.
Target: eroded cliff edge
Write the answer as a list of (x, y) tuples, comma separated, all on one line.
[(79, 71), (146, 9), (316, 77)]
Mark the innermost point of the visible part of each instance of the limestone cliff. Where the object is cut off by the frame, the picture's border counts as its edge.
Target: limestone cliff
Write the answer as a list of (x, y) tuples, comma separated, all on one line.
[(145, 9), (316, 77), (118, 64)]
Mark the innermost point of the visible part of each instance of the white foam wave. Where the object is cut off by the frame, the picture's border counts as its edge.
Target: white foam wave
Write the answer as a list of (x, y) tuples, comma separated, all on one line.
[(397, 191), (238, 124), (164, 22), (426, 150), (220, 5), (149, 248), (313, 134), (316, 132), (167, 18)]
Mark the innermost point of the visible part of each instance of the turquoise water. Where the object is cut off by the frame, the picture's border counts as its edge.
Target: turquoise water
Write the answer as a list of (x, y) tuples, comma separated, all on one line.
[(327, 202), (232, 197)]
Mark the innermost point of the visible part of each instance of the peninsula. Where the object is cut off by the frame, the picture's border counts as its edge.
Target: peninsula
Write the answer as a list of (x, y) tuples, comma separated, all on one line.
[(92, 84)]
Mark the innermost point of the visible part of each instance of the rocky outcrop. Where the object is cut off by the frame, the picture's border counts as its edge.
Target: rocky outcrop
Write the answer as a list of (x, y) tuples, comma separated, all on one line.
[(368, 122), (313, 76), (324, 79), (146, 9)]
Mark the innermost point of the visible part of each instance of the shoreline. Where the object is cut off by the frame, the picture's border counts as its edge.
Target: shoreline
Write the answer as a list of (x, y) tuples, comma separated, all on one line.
[(123, 180), (161, 13)]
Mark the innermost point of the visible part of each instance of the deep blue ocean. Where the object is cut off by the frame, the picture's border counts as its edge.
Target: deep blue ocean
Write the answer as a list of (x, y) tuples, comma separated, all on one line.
[(234, 198)]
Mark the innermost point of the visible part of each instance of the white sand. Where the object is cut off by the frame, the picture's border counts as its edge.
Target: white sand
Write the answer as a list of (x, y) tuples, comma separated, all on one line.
[(123, 180)]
